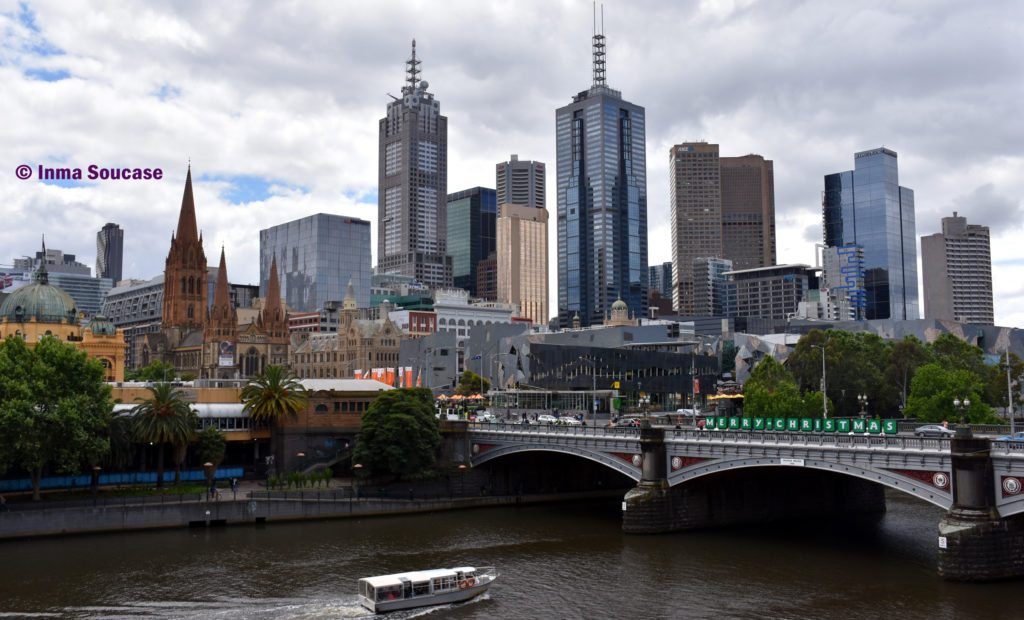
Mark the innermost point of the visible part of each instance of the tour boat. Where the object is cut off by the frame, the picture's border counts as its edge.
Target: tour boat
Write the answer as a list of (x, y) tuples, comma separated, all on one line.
[(427, 587)]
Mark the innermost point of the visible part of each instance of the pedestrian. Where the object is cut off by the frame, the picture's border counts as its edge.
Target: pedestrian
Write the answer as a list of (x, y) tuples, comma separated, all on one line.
[(234, 485), (945, 424)]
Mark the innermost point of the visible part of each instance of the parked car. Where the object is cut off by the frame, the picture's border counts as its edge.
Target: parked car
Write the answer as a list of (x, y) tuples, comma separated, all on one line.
[(1016, 437), (933, 430), (569, 421), (486, 416), (546, 419), (689, 413), (627, 422)]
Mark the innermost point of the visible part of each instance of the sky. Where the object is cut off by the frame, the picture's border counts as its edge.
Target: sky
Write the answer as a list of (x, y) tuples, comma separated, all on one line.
[(276, 105)]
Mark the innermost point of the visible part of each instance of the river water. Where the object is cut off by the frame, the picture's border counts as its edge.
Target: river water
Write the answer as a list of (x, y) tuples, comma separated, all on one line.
[(556, 561)]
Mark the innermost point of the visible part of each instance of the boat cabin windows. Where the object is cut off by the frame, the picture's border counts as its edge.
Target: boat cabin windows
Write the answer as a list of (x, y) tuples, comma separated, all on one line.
[(420, 588), (448, 582), (389, 593)]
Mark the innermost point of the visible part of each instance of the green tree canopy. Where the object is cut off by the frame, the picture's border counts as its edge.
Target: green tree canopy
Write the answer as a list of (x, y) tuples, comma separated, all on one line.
[(153, 372), (400, 434), (210, 446), (771, 392), (905, 357), (855, 363), (55, 408), (472, 383), (165, 419), (934, 389)]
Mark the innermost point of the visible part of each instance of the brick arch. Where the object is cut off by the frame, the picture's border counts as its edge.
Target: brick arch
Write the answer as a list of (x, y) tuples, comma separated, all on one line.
[(612, 462)]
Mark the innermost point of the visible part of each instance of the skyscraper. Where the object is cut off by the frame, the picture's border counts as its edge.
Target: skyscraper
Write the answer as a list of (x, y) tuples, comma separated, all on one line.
[(695, 205), (602, 201), (317, 256), (413, 184), (520, 183), (748, 211), (659, 279), (109, 252), (471, 220), (956, 266), (868, 207)]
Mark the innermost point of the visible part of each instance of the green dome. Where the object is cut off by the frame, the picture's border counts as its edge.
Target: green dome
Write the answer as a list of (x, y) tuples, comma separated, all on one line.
[(619, 305), (102, 326), (39, 301)]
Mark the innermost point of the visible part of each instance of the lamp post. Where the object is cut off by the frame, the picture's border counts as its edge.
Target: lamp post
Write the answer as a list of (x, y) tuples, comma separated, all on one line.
[(962, 406), (862, 399), (824, 383), (356, 469), (208, 470), (1009, 390), (462, 479), (95, 482), (593, 387)]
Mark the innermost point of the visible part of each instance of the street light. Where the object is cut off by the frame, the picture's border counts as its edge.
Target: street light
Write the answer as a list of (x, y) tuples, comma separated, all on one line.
[(962, 406), (863, 400), (462, 479), (824, 384), (356, 469), (593, 386)]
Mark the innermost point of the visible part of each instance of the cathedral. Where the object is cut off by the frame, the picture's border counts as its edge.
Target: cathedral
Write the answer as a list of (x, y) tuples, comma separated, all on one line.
[(203, 338)]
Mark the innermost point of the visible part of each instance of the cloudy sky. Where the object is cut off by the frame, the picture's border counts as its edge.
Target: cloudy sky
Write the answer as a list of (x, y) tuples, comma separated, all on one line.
[(277, 106)]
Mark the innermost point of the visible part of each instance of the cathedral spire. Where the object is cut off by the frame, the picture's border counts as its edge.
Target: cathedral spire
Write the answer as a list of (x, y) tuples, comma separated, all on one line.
[(187, 228), (222, 293), (272, 306)]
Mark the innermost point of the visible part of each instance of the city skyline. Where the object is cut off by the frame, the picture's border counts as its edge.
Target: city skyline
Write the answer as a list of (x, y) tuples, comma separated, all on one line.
[(276, 137)]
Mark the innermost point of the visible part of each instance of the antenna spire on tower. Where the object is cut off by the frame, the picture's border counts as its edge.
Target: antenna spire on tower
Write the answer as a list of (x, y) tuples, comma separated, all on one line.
[(412, 69), (598, 48)]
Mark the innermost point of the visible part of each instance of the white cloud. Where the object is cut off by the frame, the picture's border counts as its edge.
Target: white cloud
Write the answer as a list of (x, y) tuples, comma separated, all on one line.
[(292, 94)]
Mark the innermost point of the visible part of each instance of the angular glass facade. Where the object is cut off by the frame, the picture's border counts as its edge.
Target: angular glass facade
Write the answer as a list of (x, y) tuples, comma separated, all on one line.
[(472, 217), (602, 206), (867, 207), (316, 258)]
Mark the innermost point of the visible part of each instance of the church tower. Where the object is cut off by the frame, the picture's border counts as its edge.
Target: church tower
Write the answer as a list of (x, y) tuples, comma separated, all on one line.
[(273, 319), (185, 270), (220, 337)]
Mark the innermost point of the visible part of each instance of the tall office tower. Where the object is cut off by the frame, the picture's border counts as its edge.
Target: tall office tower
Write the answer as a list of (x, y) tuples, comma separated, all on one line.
[(521, 183), (109, 252), (867, 206), (317, 256), (956, 266), (471, 220), (710, 285), (523, 260), (659, 279), (748, 211), (602, 202), (843, 282), (695, 203), (413, 184)]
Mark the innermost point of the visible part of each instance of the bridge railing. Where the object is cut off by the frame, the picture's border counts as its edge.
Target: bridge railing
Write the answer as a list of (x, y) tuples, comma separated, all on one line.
[(564, 429), (844, 441)]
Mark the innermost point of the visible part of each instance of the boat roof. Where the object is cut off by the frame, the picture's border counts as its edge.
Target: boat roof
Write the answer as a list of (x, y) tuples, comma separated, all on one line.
[(419, 575)]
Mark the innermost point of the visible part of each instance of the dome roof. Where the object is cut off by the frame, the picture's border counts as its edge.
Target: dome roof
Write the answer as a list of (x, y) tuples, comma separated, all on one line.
[(39, 301), (102, 326), (619, 305)]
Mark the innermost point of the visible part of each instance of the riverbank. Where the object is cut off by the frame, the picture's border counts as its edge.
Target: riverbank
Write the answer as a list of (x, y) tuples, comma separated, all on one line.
[(252, 507)]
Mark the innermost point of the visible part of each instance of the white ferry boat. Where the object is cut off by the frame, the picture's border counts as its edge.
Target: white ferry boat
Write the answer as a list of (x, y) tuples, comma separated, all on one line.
[(422, 588)]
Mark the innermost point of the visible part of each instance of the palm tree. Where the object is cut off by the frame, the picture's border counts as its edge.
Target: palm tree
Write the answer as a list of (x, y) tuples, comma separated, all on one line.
[(273, 396), (164, 418)]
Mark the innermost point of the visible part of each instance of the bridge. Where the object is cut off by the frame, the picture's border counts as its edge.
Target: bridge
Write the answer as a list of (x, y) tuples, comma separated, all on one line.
[(688, 478)]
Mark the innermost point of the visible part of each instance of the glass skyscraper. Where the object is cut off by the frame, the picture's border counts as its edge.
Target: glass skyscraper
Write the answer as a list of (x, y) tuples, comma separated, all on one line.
[(867, 207), (316, 258), (602, 202), (472, 215), (109, 252)]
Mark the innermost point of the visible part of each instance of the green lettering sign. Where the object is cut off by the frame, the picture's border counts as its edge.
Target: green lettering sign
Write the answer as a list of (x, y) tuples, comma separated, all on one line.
[(758, 424), (859, 426), (874, 426), (745, 424), (793, 424), (806, 425), (890, 427), (829, 425), (723, 423), (734, 424), (779, 424), (843, 425)]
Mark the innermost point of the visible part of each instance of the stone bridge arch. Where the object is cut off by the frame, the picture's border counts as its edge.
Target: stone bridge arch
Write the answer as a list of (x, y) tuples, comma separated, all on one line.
[(927, 491), (483, 454)]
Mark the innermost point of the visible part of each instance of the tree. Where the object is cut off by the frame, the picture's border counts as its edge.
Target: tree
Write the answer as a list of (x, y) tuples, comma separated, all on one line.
[(771, 392), (472, 383), (210, 446), (905, 357), (54, 408), (934, 389), (273, 396), (164, 419), (400, 434), (151, 373), (729, 357), (855, 364), (953, 353), (996, 389)]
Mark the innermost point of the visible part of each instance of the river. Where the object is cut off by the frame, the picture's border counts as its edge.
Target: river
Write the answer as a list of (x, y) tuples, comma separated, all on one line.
[(556, 561)]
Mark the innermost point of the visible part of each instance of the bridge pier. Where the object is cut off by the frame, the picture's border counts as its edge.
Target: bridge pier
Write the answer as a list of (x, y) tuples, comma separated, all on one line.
[(975, 543), (649, 505)]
